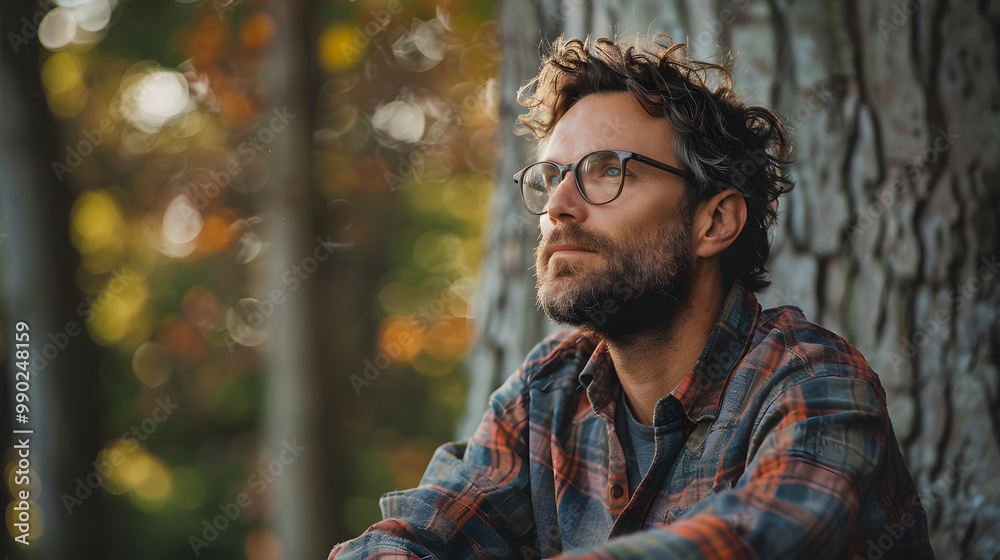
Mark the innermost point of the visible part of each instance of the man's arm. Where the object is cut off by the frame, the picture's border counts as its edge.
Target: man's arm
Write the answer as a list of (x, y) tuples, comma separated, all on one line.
[(474, 499), (822, 448)]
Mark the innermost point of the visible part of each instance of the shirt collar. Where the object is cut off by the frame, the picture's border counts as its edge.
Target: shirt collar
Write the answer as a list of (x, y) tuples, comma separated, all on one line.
[(700, 392)]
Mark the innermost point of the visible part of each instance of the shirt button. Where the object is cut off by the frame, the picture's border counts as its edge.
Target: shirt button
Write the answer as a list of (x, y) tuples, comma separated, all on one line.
[(617, 491)]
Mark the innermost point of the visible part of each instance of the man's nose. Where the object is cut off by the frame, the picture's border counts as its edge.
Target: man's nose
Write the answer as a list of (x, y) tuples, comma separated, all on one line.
[(566, 202)]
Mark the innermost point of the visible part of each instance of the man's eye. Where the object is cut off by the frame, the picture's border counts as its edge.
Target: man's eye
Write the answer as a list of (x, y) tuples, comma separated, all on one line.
[(552, 180), (613, 171)]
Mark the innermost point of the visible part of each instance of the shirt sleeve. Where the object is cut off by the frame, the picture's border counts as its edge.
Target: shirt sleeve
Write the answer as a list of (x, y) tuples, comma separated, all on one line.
[(473, 500), (815, 454)]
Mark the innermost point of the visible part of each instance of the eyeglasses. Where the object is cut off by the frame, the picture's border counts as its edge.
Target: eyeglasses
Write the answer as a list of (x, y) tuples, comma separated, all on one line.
[(599, 177)]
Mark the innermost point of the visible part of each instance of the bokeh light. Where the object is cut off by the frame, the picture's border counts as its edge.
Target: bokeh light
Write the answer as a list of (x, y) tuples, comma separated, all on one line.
[(57, 29), (97, 227), (399, 122), (152, 97), (165, 154), (151, 364), (246, 323), (62, 77)]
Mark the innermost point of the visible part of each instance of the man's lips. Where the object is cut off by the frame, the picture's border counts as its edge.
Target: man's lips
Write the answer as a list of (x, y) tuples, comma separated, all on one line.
[(567, 250)]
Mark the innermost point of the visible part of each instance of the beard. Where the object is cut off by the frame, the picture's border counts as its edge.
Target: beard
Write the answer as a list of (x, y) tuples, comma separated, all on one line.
[(634, 294)]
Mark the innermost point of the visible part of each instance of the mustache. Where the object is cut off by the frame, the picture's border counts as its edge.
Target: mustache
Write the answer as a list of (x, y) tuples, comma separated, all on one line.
[(574, 234)]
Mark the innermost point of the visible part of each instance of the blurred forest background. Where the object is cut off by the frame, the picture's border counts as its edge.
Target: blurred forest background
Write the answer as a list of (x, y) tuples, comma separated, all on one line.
[(271, 257)]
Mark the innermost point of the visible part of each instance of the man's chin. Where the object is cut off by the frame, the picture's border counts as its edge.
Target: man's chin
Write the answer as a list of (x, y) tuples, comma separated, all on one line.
[(567, 303), (614, 317), (562, 313)]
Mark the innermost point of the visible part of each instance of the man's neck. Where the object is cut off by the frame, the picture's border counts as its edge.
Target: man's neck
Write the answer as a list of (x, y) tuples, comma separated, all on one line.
[(650, 365)]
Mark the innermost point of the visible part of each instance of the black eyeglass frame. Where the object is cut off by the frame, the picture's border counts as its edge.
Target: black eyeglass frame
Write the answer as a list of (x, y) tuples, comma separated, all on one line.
[(623, 155)]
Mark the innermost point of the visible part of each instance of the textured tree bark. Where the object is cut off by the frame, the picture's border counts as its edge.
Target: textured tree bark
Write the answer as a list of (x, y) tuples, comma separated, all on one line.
[(887, 238)]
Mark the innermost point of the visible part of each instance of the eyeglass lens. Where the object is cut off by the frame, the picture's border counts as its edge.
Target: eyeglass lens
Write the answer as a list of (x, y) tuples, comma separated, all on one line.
[(599, 175)]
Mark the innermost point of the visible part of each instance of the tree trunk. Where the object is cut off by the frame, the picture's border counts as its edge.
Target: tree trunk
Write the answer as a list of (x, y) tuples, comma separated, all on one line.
[(295, 430), (37, 272), (887, 238)]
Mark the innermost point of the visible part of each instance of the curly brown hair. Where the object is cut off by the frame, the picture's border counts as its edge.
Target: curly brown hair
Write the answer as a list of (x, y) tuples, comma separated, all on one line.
[(719, 140)]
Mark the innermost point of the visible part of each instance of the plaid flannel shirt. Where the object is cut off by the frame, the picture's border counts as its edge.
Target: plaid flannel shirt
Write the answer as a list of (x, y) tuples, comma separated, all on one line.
[(777, 444)]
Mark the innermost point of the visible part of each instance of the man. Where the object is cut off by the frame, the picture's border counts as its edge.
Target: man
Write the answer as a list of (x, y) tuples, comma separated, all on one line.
[(676, 419)]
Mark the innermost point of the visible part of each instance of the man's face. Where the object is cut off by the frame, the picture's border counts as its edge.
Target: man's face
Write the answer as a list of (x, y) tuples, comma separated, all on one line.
[(621, 267)]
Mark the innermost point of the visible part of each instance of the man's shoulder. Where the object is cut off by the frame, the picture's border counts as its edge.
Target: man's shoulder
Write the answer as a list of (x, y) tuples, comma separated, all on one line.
[(784, 335), (797, 361)]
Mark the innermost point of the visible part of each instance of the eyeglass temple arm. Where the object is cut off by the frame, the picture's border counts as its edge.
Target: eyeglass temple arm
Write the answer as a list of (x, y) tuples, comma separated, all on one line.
[(663, 166)]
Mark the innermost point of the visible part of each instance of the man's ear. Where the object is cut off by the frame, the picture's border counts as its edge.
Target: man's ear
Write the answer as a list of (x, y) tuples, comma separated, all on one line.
[(717, 223)]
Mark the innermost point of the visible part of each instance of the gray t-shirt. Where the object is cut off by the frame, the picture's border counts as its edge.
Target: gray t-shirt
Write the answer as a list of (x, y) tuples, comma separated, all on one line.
[(639, 442)]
